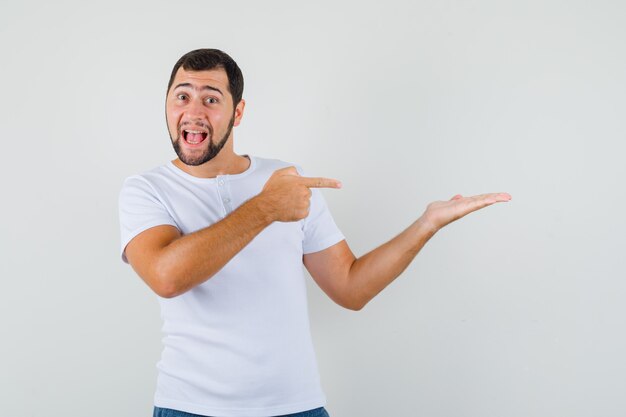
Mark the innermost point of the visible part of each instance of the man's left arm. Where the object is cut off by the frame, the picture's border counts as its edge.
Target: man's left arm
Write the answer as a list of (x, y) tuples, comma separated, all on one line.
[(352, 282)]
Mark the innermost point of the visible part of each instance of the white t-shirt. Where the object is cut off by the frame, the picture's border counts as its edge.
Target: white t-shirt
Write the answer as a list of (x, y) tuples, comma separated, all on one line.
[(239, 344)]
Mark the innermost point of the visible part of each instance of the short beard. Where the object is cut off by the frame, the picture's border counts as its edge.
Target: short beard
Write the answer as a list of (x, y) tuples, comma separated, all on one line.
[(210, 153)]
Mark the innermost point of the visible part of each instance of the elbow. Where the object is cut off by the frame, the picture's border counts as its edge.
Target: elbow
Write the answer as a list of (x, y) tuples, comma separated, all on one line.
[(164, 288), (354, 307), (170, 280), (354, 304), (353, 298), (164, 282), (165, 291)]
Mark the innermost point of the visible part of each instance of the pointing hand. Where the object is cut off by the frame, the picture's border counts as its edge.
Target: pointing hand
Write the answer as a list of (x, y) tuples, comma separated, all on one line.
[(286, 195)]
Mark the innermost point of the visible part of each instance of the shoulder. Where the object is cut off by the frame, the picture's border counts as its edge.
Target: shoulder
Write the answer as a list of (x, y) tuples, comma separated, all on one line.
[(270, 165), (149, 181)]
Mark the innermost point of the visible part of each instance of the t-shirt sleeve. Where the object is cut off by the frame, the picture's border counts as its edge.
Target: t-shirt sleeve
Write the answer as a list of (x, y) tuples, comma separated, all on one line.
[(139, 210), (320, 230)]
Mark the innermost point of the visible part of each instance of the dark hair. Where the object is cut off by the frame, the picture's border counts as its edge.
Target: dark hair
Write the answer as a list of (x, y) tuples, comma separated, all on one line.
[(208, 59)]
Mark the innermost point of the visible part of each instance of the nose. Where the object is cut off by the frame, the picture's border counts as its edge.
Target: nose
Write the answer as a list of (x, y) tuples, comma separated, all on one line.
[(195, 110)]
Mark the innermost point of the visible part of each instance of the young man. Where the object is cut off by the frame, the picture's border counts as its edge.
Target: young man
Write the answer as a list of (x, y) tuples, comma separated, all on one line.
[(221, 238)]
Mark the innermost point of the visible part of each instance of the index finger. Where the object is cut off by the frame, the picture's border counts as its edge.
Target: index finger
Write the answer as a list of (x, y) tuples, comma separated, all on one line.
[(319, 182)]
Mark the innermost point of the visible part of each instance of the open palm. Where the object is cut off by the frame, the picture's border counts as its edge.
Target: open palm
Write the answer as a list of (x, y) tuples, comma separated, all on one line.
[(441, 213)]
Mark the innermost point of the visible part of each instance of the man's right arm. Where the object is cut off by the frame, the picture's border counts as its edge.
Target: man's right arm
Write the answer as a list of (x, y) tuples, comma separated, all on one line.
[(172, 264)]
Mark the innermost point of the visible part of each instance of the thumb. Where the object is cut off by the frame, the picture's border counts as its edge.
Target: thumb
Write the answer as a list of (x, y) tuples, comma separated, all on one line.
[(291, 170)]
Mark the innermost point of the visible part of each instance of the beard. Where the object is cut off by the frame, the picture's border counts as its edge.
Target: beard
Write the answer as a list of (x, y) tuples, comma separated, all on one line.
[(209, 153)]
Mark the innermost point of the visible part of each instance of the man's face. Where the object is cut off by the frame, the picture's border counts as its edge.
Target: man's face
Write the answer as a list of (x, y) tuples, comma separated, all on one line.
[(200, 114)]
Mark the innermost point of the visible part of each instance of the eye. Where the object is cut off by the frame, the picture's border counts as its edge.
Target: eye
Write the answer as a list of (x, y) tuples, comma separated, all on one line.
[(211, 100), (181, 96)]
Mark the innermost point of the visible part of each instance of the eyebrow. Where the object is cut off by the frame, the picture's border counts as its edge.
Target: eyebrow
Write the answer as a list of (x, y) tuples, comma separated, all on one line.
[(204, 87)]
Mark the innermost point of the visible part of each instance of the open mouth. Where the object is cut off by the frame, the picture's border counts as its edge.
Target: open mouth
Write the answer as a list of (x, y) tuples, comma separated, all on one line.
[(194, 137)]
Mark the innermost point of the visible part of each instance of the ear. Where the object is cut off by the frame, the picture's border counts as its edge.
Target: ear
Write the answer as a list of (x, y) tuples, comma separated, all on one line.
[(239, 112)]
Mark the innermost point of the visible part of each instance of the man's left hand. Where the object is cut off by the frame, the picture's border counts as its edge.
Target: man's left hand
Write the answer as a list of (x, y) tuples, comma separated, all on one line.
[(441, 213)]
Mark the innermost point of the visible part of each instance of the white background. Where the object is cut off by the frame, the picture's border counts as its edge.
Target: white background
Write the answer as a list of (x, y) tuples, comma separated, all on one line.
[(517, 310)]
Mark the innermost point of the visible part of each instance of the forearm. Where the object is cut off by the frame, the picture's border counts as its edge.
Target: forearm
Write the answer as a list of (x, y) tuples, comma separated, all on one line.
[(194, 258), (372, 272)]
